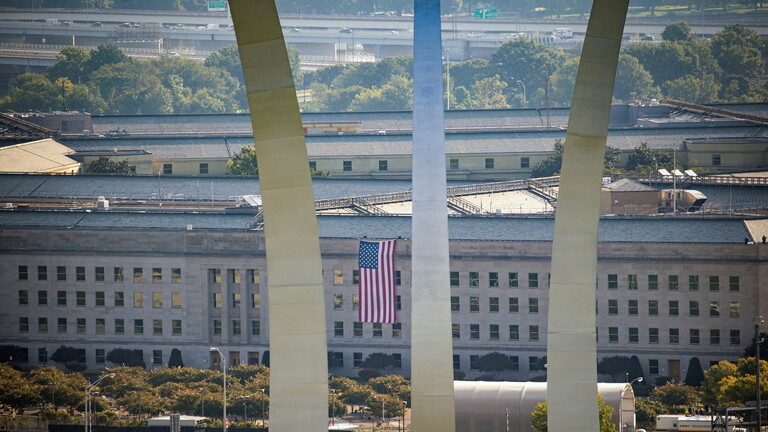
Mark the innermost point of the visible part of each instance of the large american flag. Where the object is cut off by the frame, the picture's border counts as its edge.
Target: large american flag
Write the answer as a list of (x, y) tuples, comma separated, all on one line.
[(377, 281)]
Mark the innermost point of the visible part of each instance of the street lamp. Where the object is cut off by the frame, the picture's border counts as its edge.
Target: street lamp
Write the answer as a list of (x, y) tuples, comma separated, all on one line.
[(405, 405), (263, 413), (333, 406), (638, 379), (88, 389), (245, 407), (758, 321), (202, 401), (224, 363)]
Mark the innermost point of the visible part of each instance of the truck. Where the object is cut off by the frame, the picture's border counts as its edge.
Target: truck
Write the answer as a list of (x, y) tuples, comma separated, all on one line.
[(563, 33), (693, 423)]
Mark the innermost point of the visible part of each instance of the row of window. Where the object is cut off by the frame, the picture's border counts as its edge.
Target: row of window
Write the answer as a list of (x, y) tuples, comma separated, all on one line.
[(337, 359), (99, 274), (237, 329), (673, 308), (99, 298), (453, 164), (236, 300), (338, 277), (168, 168), (252, 276), (100, 356), (99, 326), (338, 302), (377, 329)]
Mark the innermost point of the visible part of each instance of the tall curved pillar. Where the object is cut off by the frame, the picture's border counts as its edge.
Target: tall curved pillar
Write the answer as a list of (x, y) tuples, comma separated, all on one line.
[(431, 341), (297, 328), (571, 345)]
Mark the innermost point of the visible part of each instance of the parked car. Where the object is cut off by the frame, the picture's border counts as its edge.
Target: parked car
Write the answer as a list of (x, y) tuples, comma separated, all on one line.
[(97, 24), (345, 30)]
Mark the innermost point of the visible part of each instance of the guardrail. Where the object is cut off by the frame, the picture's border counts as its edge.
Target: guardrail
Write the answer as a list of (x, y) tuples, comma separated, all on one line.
[(705, 180)]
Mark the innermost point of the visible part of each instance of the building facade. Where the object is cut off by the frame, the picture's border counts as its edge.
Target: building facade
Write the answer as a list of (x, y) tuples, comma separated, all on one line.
[(155, 282)]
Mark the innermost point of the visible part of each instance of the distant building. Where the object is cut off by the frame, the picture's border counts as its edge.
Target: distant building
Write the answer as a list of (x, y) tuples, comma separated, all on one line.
[(42, 156)]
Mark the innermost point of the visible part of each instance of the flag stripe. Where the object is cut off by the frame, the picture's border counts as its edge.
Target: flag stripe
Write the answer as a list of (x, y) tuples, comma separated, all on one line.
[(377, 282)]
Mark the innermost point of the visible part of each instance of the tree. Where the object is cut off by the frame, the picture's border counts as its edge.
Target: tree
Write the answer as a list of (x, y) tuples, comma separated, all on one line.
[(677, 31), (70, 63), (175, 360), (228, 59), (644, 159), (104, 165), (613, 366), (64, 355), (488, 93), (104, 55), (646, 411), (126, 357), (711, 387), (494, 362), (32, 92), (675, 396), (634, 368), (392, 385), (378, 361), (605, 412), (244, 163), (11, 353), (396, 95), (695, 375), (527, 61), (694, 90), (551, 165), (737, 51), (631, 78), (749, 351)]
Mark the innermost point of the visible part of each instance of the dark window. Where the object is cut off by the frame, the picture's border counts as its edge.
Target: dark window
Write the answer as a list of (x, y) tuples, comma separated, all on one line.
[(42, 273), (613, 281), (716, 160), (313, 165), (61, 273), (453, 164), (525, 162), (203, 168), (98, 274), (382, 165), (454, 279), (513, 280), (80, 274), (167, 168), (23, 273), (346, 165), (488, 163)]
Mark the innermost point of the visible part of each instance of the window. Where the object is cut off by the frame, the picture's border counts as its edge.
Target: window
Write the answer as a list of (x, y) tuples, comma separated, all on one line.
[(534, 363), (176, 300), (356, 302), (217, 300), (157, 327), (175, 275), (714, 308), (613, 307), (653, 307), (119, 326), (138, 326), (493, 304), (493, 332), (456, 362), (453, 164), (42, 325), (734, 309), (488, 163), (693, 336), (61, 273), (735, 337), (513, 281), (23, 273), (533, 280), (357, 359), (474, 331), (714, 283), (653, 282), (674, 308), (23, 297), (157, 299), (514, 306), (674, 336), (138, 275), (234, 276), (377, 330), (235, 300), (382, 165), (119, 299), (80, 357), (217, 327), (473, 361), (514, 363), (613, 334), (514, 332), (203, 168), (533, 332), (634, 335), (338, 302), (42, 298), (80, 298), (632, 282), (653, 367), (338, 328), (653, 335), (533, 305), (525, 162), (214, 275), (672, 281), (157, 275), (474, 279), (157, 357), (397, 330), (167, 168), (236, 330), (118, 274), (454, 279), (613, 281), (61, 298), (138, 299), (98, 274), (80, 274), (42, 273), (493, 279), (80, 325), (255, 328), (455, 305), (474, 304), (693, 308), (632, 308), (346, 166), (693, 282), (176, 327), (714, 336), (100, 356), (716, 160), (733, 283), (255, 300), (253, 275), (61, 325), (338, 277), (455, 331), (101, 325), (23, 324), (398, 278)]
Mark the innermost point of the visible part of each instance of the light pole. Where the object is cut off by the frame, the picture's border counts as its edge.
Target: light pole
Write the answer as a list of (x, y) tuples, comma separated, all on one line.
[(245, 407), (759, 419), (405, 406), (88, 392), (638, 379), (202, 402), (333, 406), (447, 78), (263, 413), (224, 363), (523, 85)]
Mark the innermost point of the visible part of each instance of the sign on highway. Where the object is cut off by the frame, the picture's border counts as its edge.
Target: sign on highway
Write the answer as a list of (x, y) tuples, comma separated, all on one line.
[(486, 13), (217, 5)]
